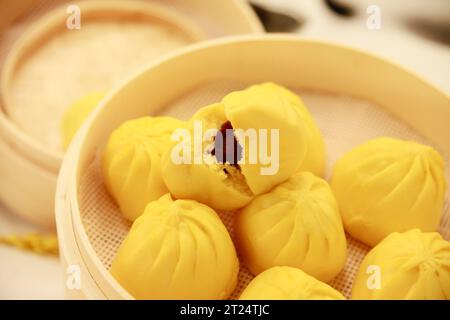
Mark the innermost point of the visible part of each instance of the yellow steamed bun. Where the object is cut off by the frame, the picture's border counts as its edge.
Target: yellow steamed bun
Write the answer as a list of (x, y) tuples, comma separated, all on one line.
[(75, 115), (132, 162), (296, 224), (387, 185), (177, 250), (259, 108), (218, 185), (314, 160), (253, 108), (287, 283), (409, 265)]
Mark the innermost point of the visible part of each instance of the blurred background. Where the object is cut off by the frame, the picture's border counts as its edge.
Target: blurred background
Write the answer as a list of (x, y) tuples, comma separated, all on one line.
[(412, 33)]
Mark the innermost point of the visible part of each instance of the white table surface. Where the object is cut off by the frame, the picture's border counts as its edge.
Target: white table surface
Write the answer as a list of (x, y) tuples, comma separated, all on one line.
[(26, 275)]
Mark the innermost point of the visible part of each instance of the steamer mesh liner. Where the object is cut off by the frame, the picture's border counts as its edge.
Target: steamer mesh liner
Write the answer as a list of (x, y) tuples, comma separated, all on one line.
[(345, 122)]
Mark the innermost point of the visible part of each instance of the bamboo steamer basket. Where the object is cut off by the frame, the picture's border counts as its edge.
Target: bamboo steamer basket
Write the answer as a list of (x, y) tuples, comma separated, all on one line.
[(29, 167), (357, 96)]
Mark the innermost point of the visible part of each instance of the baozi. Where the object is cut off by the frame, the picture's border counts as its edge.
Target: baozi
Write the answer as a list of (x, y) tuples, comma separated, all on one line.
[(388, 185), (131, 162), (267, 111), (257, 116), (314, 160), (177, 250), (75, 115), (410, 265), (287, 283), (296, 224), (218, 185)]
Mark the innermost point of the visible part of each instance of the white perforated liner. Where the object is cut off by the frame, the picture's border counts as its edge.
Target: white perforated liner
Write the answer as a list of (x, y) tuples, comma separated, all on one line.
[(345, 122)]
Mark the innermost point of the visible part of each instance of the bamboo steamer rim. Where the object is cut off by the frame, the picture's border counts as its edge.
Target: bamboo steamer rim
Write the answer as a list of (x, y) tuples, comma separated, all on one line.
[(36, 151), (70, 253), (254, 23), (73, 164)]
